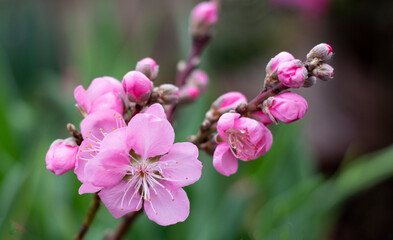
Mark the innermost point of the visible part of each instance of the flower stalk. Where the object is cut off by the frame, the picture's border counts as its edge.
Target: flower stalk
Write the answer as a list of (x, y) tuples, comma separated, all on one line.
[(91, 213)]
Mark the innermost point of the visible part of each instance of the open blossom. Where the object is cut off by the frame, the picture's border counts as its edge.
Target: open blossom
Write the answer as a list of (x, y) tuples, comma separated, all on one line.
[(61, 156), (292, 73), (137, 86), (148, 67), (139, 165), (287, 107), (95, 127), (243, 138), (103, 93)]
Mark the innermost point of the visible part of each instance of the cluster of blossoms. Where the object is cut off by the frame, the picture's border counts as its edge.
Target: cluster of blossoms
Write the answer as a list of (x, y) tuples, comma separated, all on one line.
[(125, 148)]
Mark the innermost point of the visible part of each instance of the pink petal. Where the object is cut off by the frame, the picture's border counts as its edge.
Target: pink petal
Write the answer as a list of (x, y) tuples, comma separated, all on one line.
[(226, 121), (87, 150), (149, 136), (169, 206), (109, 100), (108, 168), (98, 124), (224, 161), (88, 188), (263, 118), (181, 164), (117, 199), (80, 97), (156, 110), (254, 128)]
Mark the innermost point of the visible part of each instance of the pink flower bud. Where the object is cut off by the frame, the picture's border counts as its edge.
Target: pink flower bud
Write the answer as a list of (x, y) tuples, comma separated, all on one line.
[(137, 86), (277, 60), (323, 72), (203, 16), (61, 156), (229, 101), (287, 107), (103, 93), (148, 67), (199, 79), (323, 52), (189, 93), (292, 73), (168, 93)]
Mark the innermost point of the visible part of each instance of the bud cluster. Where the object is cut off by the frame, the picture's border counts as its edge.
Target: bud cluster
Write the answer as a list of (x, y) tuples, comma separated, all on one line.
[(293, 73)]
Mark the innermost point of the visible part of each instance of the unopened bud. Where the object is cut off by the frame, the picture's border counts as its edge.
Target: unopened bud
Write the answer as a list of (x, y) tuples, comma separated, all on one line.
[(189, 93), (323, 52), (168, 93), (292, 73), (323, 72), (199, 79), (229, 101), (277, 60), (148, 67), (287, 107), (203, 17), (61, 156), (137, 86), (310, 81)]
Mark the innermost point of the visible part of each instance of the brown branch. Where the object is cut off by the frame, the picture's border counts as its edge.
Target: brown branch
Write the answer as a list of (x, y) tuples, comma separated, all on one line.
[(124, 226), (94, 206)]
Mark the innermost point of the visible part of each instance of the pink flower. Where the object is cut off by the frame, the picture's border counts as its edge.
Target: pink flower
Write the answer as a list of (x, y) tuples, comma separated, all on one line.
[(243, 138), (205, 13), (140, 164), (138, 87), (61, 156), (277, 60), (95, 127), (148, 67), (103, 93), (287, 107), (292, 73), (229, 101)]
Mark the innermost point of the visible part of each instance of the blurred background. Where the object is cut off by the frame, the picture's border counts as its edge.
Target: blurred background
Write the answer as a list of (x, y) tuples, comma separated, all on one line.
[(329, 176)]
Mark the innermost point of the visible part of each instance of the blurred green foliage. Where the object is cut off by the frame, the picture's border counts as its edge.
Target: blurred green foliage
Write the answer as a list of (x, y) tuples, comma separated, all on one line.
[(279, 196)]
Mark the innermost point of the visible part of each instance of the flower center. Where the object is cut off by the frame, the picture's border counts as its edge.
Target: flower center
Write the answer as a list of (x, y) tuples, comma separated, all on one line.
[(240, 144), (143, 176)]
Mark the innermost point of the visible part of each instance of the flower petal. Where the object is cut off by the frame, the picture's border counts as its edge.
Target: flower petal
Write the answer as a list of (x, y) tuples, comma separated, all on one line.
[(224, 161), (98, 124), (181, 164), (88, 188), (254, 128), (156, 110), (149, 136), (120, 200), (226, 121), (109, 100), (168, 206), (108, 168)]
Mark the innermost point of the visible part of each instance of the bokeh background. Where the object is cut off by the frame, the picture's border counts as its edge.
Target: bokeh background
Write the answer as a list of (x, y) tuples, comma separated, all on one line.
[(329, 176)]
